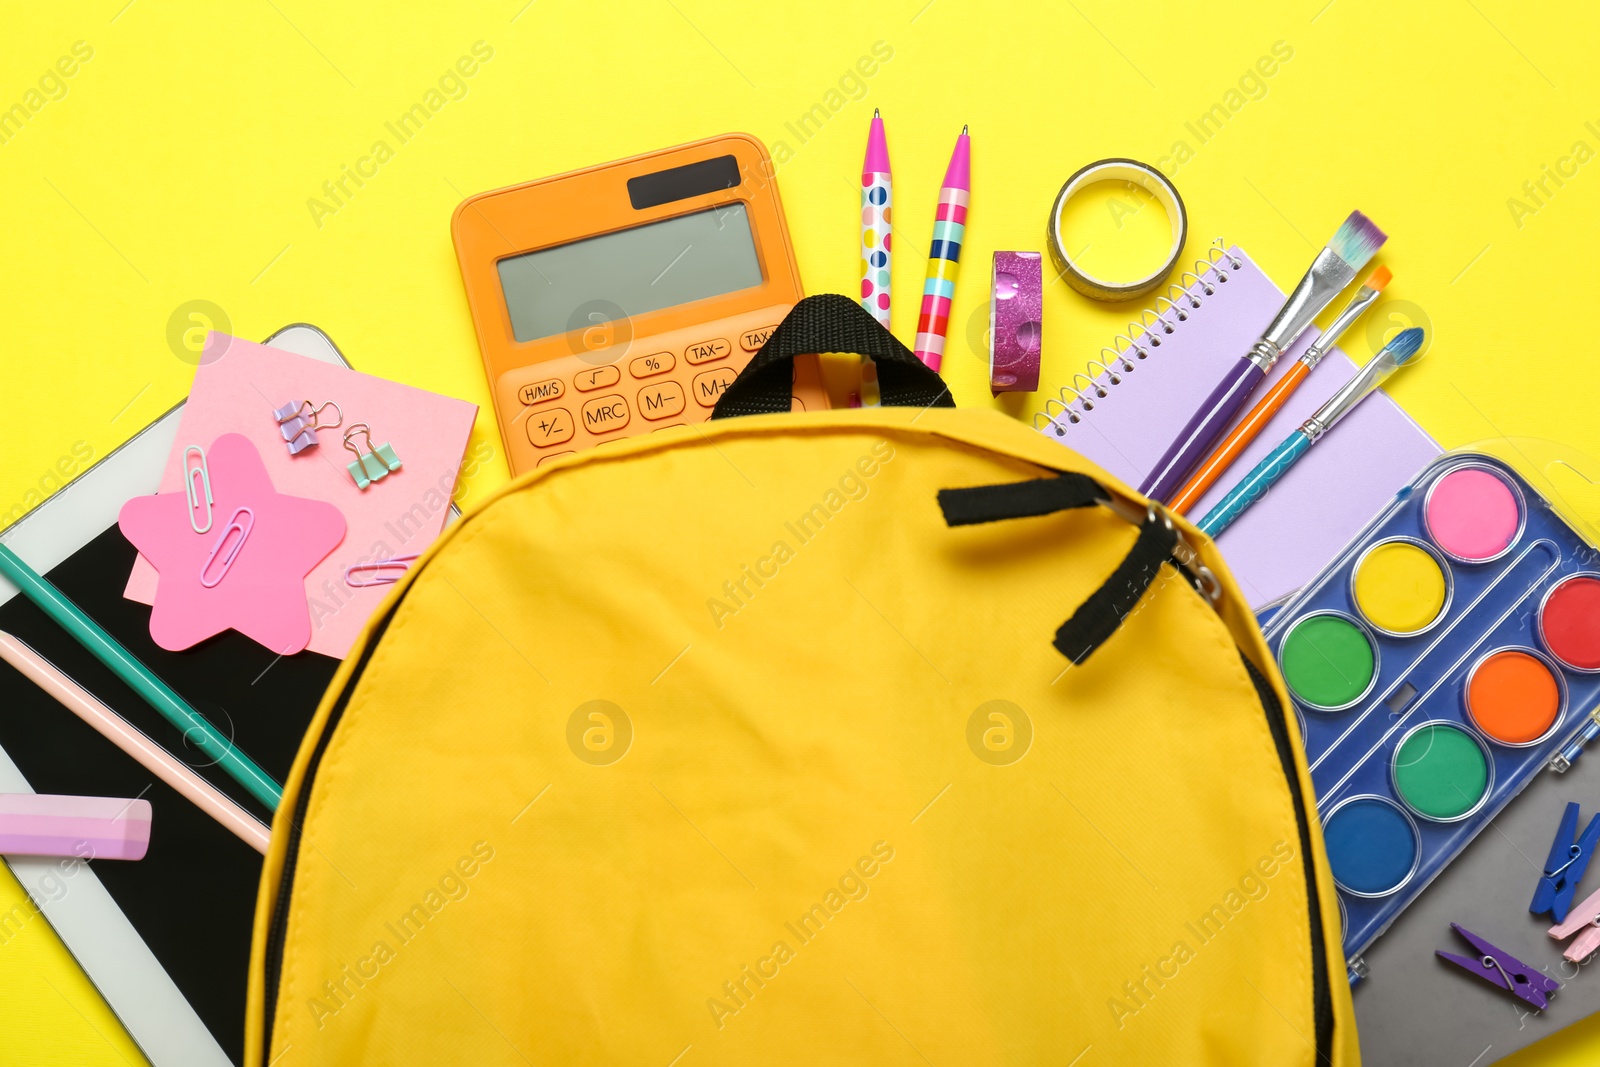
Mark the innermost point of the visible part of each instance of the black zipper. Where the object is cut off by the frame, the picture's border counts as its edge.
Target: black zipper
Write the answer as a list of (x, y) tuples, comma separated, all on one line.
[(1321, 990), (272, 961)]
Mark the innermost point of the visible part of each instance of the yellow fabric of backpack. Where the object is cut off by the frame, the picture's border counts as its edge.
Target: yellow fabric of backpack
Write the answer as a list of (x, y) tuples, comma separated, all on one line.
[(724, 746)]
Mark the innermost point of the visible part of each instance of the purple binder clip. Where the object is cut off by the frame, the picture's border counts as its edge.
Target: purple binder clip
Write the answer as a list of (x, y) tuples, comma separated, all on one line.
[(299, 423), (1500, 968)]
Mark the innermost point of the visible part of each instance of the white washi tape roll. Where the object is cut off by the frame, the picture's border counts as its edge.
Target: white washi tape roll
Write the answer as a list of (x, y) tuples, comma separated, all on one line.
[(1146, 177)]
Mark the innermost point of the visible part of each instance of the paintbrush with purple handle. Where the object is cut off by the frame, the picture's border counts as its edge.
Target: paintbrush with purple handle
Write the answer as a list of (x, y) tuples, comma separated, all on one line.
[(1334, 268)]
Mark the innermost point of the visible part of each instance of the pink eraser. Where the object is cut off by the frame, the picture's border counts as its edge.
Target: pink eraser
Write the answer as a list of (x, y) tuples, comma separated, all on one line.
[(88, 828)]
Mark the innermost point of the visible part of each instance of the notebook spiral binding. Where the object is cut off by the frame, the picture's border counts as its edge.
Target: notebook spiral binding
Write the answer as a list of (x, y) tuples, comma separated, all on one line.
[(1136, 342)]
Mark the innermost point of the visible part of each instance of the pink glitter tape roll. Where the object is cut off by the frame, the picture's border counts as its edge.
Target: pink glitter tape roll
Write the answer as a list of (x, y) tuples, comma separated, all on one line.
[(1016, 322)]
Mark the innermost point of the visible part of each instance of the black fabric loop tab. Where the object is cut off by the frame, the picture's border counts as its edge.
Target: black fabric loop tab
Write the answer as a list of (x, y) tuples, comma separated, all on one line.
[(1019, 500), (829, 322), (1098, 617)]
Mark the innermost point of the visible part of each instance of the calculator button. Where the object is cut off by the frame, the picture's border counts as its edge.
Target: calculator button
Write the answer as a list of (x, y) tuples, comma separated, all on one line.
[(661, 401), (605, 413), (668, 426), (553, 427), (706, 351), (752, 340), (587, 381), (650, 366), (709, 386), (539, 392), (554, 455)]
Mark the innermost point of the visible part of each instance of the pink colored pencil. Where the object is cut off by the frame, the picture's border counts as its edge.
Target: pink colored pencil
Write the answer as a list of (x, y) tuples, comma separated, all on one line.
[(155, 759), (944, 260)]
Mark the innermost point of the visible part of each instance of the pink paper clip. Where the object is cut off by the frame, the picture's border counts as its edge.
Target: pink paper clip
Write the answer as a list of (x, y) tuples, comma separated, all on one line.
[(226, 563), (1585, 922), (378, 572)]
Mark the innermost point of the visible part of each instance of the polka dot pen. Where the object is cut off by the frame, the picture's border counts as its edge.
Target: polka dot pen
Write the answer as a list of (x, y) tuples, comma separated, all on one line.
[(944, 259), (877, 200)]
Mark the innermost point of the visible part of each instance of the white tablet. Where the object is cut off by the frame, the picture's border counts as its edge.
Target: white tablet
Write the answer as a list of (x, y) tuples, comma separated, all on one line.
[(165, 939)]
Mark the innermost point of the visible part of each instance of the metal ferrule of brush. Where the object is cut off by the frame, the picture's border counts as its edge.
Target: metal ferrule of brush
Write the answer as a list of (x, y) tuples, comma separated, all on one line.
[(1264, 354), (1330, 337), (1326, 279), (1352, 393)]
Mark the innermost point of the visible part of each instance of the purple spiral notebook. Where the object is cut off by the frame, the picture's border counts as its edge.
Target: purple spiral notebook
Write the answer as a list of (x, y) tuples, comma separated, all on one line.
[(1123, 413)]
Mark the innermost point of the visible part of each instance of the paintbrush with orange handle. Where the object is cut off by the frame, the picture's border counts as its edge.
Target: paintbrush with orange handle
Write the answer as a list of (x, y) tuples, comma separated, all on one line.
[(1251, 425)]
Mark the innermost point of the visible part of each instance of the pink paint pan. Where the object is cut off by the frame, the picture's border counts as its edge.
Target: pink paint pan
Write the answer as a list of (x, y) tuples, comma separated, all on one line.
[(1474, 514)]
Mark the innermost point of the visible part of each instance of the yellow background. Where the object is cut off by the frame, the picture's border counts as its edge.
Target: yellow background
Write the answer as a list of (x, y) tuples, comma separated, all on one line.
[(178, 164)]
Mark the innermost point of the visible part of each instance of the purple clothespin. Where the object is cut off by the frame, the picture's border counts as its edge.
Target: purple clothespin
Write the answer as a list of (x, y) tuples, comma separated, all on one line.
[(299, 422), (1500, 968)]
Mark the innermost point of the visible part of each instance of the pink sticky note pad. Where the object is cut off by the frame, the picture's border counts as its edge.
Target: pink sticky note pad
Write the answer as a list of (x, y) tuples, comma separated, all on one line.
[(262, 593), (237, 386)]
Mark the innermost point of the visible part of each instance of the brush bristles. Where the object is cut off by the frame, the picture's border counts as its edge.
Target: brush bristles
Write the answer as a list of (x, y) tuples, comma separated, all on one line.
[(1379, 279), (1357, 240), (1406, 344)]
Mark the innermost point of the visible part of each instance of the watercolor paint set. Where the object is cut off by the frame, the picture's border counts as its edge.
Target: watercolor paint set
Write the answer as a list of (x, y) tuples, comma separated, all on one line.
[(1443, 658)]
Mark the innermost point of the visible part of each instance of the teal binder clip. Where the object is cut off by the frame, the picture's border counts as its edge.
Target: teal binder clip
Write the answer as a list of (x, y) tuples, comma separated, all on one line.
[(375, 464)]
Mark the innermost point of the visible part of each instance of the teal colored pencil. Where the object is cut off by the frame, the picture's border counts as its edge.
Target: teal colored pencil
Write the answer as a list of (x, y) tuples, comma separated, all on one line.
[(140, 678)]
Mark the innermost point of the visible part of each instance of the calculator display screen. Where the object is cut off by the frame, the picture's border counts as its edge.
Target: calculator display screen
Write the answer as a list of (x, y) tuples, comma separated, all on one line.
[(630, 272)]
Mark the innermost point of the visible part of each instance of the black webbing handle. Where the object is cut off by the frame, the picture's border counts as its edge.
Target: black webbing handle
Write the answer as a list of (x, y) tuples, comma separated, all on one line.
[(830, 323), (1098, 617), (1018, 500)]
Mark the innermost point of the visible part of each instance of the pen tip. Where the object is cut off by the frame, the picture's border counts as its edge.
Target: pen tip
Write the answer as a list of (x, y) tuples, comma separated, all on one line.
[(874, 112), (963, 129)]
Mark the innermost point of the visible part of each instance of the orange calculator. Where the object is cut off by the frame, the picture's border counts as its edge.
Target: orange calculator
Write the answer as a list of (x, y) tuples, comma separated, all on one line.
[(622, 299)]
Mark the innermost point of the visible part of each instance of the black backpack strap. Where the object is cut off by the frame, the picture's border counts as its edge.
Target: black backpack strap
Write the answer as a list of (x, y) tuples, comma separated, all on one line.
[(1098, 617), (830, 323)]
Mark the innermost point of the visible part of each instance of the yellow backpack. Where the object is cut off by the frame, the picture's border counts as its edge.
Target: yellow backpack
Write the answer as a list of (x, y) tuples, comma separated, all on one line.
[(764, 741)]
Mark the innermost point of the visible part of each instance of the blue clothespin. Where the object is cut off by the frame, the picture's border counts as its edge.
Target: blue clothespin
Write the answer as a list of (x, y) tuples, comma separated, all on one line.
[(1500, 968), (1569, 858)]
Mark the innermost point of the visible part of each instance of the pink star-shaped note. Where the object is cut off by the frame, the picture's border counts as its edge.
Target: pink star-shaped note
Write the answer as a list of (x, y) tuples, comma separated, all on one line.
[(263, 593)]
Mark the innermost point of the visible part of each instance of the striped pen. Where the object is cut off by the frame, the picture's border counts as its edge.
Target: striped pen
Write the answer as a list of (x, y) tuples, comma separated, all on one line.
[(944, 260), (877, 200)]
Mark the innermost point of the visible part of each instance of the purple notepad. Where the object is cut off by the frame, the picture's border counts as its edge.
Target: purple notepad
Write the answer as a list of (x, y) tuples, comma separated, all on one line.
[(1283, 541)]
